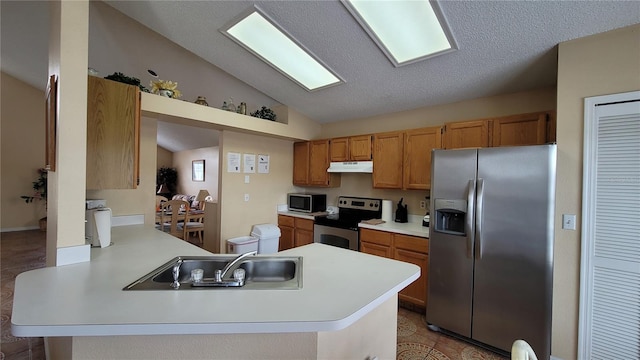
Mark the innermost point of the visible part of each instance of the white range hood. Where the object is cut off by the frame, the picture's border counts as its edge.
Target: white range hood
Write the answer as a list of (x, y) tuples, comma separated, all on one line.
[(351, 167)]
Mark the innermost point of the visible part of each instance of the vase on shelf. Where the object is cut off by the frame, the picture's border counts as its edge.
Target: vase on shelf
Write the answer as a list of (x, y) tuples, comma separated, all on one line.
[(166, 93)]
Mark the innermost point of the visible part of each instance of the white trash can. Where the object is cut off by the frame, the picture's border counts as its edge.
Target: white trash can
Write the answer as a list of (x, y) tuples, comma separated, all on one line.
[(242, 244), (269, 238)]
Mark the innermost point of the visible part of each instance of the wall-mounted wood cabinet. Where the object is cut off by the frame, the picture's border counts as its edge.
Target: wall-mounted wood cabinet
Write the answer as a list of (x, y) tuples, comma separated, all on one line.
[(515, 130), (524, 129), (388, 154), (310, 164), (418, 145), (294, 232), (405, 248), (467, 134), (402, 160), (354, 148), (113, 135)]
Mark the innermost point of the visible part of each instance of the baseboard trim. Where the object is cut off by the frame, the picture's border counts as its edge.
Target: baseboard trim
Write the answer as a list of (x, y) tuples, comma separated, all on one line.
[(73, 255), (25, 228)]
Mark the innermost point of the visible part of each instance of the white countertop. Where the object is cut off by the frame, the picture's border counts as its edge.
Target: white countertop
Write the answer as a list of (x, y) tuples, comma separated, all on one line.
[(303, 215), (413, 227), (86, 299)]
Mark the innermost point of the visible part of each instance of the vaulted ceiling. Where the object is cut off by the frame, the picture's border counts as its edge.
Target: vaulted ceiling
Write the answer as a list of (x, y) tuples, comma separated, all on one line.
[(504, 47)]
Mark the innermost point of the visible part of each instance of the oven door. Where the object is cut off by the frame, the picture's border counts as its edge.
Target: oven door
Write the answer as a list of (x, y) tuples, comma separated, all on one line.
[(344, 238)]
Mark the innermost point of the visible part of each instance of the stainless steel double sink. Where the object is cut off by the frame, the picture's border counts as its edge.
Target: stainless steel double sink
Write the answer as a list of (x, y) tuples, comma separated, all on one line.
[(260, 272)]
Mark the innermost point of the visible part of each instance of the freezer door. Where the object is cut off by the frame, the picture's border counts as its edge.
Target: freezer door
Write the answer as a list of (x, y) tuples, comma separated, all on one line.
[(451, 240), (514, 247)]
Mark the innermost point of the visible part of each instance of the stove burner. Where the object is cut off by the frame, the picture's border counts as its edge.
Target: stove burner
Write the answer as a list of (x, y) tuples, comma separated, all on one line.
[(351, 211)]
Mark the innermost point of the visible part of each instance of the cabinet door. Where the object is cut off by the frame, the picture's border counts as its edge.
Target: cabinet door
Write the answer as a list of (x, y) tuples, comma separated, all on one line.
[(375, 249), (113, 134), (376, 237), (387, 160), (360, 148), (301, 163), (524, 129), (339, 149), (417, 156), (551, 127), (467, 134), (303, 237), (416, 292), (286, 225), (319, 162), (413, 250)]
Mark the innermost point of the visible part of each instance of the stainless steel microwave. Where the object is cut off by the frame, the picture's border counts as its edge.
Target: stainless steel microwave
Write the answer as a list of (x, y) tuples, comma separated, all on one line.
[(307, 202)]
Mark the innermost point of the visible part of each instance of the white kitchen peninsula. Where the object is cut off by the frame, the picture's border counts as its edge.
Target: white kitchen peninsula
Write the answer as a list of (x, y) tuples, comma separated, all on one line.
[(347, 307)]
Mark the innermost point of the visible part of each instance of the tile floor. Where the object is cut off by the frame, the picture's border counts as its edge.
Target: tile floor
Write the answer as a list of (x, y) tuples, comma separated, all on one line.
[(25, 250)]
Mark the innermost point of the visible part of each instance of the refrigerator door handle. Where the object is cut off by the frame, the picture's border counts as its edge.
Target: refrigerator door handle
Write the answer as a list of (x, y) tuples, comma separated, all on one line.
[(479, 218), (471, 199)]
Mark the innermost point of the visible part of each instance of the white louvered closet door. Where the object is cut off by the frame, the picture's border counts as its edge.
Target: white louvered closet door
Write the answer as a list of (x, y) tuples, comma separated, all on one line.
[(610, 267)]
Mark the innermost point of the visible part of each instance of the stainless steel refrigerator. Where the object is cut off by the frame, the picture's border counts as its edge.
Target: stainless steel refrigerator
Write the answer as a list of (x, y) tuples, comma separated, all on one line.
[(491, 245)]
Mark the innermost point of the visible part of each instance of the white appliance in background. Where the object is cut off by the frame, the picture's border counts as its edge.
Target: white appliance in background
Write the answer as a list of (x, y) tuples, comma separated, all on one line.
[(97, 226), (491, 245)]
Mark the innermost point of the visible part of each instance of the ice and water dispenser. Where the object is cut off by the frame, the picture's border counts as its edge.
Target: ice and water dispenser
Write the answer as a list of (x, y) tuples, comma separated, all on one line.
[(450, 216)]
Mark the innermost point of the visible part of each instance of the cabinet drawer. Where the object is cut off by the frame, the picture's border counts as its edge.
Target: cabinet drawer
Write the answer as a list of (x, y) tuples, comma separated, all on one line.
[(376, 237), (304, 224), (412, 243), (284, 220)]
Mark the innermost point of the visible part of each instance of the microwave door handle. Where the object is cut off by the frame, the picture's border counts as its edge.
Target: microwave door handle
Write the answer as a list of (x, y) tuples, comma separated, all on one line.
[(479, 215), (471, 198)]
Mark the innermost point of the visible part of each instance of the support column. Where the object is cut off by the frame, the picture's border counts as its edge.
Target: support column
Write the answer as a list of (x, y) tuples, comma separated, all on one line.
[(68, 60)]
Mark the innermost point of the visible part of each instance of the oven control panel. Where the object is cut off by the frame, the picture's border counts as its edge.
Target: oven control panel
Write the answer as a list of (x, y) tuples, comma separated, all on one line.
[(345, 202)]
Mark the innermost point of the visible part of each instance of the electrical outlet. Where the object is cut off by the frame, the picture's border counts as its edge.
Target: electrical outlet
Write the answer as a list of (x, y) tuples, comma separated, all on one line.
[(423, 204), (568, 221)]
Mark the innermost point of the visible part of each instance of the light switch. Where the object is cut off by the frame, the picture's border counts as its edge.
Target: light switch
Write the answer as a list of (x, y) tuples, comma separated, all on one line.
[(568, 221), (246, 179), (246, 197)]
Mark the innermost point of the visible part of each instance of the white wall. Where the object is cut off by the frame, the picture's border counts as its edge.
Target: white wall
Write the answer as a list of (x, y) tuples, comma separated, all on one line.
[(182, 162), (601, 64), (265, 191)]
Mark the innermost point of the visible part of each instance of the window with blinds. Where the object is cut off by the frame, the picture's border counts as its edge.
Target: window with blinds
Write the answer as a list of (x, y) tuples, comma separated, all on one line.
[(610, 279)]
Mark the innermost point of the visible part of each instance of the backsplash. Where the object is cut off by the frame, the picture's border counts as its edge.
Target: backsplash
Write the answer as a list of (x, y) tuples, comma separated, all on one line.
[(361, 185)]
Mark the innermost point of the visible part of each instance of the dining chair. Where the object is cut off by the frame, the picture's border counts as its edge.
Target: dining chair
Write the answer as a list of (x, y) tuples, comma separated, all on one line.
[(173, 207), (193, 224)]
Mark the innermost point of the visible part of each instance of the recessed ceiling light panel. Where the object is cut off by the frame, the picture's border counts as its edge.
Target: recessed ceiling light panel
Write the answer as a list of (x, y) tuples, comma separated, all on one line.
[(405, 31), (261, 36)]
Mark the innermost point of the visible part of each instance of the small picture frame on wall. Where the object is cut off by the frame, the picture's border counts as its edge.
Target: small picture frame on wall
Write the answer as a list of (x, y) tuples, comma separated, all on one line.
[(197, 170), (50, 124)]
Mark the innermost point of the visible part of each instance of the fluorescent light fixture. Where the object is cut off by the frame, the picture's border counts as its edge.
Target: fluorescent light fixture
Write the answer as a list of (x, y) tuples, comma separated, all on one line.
[(406, 31), (260, 35)]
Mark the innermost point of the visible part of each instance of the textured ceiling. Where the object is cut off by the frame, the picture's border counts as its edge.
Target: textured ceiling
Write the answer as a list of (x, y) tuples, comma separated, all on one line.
[(504, 47)]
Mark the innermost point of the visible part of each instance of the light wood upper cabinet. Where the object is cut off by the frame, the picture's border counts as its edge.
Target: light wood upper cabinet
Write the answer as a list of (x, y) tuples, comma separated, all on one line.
[(523, 129), (418, 145), (388, 155), (319, 162), (301, 163), (339, 149), (354, 148), (467, 134), (310, 164), (113, 134)]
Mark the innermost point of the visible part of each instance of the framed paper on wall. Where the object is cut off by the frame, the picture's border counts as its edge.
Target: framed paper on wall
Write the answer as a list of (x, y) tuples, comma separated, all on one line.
[(197, 170), (50, 123)]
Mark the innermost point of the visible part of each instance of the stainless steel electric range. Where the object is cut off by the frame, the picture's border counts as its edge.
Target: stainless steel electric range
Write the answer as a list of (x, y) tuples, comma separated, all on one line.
[(341, 229)]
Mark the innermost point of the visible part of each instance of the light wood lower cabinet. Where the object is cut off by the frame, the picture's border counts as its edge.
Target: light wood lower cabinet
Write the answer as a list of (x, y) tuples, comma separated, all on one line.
[(294, 232), (411, 249)]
